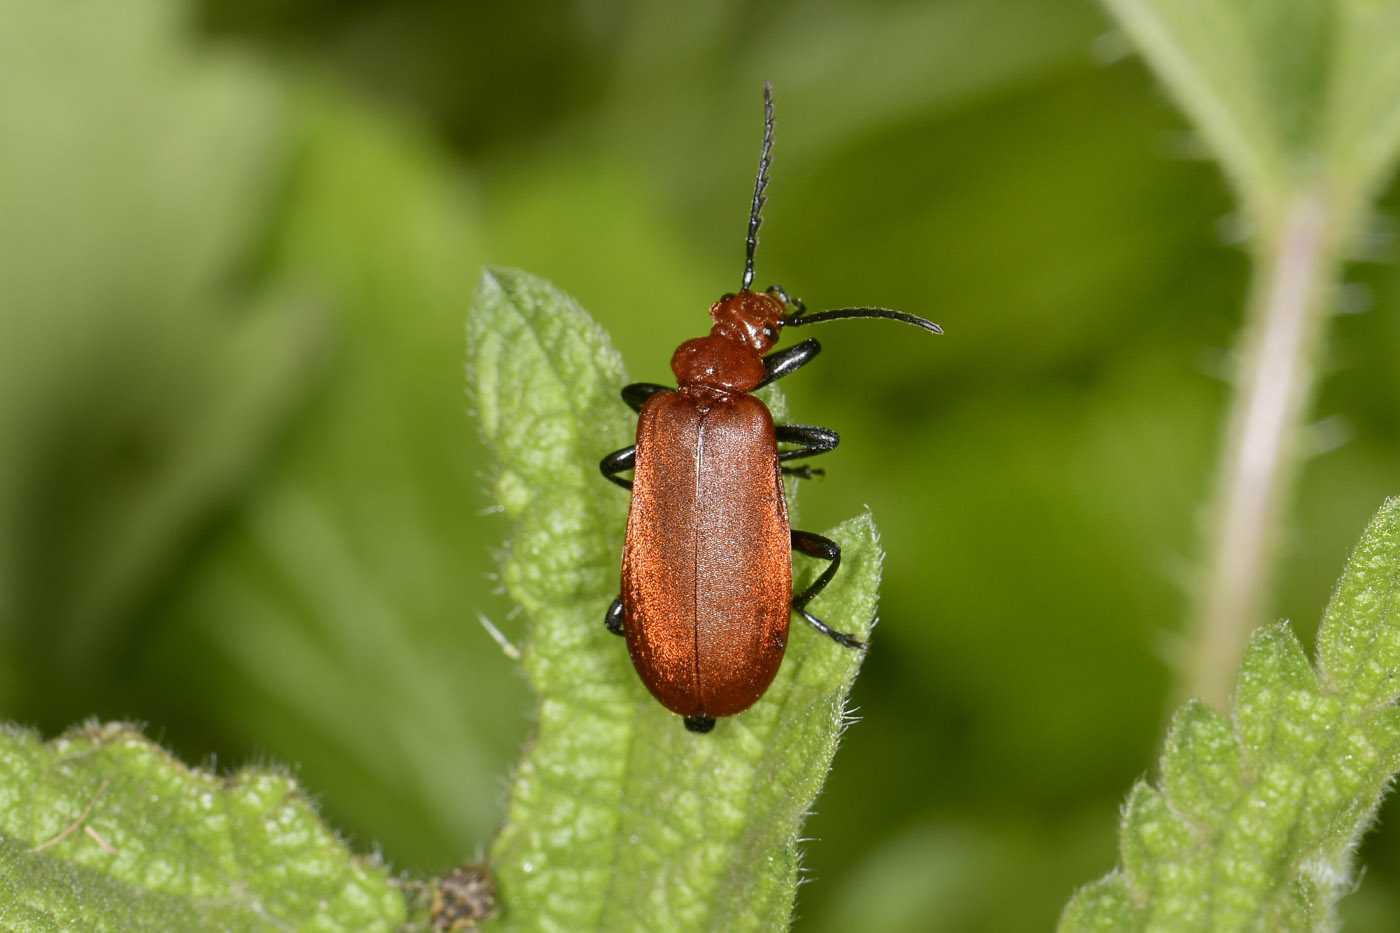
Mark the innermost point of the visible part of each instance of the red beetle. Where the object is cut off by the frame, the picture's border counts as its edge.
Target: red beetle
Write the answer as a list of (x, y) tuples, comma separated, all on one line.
[(707, 566)]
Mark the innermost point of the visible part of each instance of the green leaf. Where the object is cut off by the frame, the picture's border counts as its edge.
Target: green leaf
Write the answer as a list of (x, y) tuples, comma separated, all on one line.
[(1255, 826), (1363, 98), (1100, 907), (1358, 645), (1202, 762), (102, 830), (620, 819)]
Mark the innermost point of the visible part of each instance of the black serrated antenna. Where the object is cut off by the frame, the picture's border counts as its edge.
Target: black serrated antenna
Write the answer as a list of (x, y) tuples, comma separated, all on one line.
[(843, 314), (764, 159)]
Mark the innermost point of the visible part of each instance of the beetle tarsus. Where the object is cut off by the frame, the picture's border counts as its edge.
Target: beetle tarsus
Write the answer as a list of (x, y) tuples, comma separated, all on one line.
[(613, 617), (841, 638), (699, 724)]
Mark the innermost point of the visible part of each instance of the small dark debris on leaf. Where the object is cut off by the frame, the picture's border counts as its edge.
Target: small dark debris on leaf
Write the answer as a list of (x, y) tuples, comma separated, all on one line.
[(464, 897)]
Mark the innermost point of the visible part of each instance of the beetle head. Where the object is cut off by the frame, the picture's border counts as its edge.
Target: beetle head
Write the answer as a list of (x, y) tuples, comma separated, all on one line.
[(753, 319)]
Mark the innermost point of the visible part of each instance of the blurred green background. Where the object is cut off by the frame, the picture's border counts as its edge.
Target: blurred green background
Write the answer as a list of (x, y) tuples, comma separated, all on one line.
[(241, 495)]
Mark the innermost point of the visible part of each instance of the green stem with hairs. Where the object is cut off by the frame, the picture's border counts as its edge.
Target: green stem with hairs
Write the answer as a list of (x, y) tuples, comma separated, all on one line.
[(1295, 267)]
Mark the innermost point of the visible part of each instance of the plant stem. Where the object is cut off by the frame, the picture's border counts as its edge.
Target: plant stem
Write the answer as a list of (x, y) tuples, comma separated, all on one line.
[(1294, 264)]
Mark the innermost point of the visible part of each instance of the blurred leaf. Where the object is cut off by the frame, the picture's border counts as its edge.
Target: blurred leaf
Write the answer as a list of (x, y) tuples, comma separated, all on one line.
[(620, 819), (102, 830), (141, 378), (1363, 100), (912, 62), (1254, 827), (926, 880), (338, 603), (1283, 92)]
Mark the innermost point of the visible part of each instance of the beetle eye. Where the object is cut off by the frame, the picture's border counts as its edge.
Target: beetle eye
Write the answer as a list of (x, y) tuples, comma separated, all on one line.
[(770, 332), (727, 296)]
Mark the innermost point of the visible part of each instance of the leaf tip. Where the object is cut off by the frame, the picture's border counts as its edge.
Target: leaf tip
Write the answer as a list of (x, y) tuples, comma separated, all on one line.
[(1101, 906)]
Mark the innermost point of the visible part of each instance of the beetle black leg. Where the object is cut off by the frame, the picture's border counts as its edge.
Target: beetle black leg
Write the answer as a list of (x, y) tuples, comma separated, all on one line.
[(636, 394), (814, 545), (700, 724), (841, 638), (619, 461), (782, 363), (613, 617), (814, 440)]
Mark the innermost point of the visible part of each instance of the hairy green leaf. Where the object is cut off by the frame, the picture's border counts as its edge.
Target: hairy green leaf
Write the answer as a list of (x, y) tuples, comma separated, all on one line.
[(1255, 825), (102, 830), (618, 818)]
